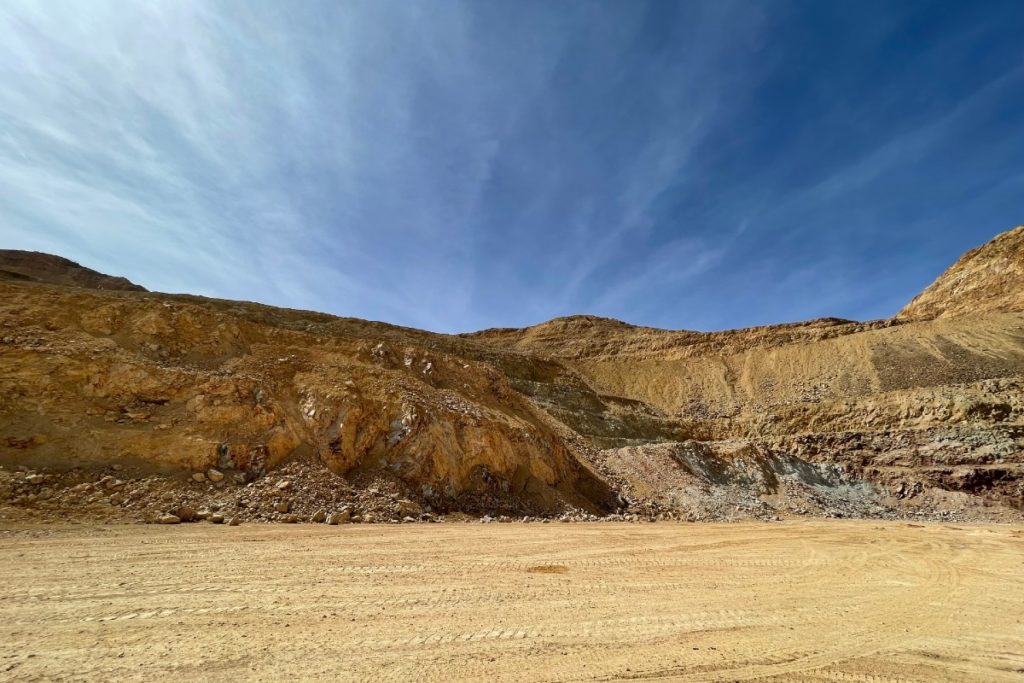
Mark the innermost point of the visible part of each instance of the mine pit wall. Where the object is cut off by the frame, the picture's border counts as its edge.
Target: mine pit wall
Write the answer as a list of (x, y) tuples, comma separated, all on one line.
[(964, 438), (958, 437), (90, 379), (241, 426), (734, 480), (908, 356), (178, 383), (937, 403)]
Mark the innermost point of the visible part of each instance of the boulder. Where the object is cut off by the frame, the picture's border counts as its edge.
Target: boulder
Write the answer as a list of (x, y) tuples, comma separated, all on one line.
[(185, 513), (343, 517), (407, 508)]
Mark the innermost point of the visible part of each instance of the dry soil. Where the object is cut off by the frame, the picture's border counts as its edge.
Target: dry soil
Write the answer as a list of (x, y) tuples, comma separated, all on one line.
[(802, 601)]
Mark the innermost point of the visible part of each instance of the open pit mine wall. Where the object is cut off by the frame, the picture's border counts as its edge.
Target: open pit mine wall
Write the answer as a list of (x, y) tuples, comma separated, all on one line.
[(91, 376), (176, 384)]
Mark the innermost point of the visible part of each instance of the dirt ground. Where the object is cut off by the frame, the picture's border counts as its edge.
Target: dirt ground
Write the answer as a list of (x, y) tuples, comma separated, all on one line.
[(808, 601)]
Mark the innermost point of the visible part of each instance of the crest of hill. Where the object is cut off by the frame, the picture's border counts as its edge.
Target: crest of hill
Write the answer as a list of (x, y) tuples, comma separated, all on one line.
[(987, 279), (34, 266), (592, 337)]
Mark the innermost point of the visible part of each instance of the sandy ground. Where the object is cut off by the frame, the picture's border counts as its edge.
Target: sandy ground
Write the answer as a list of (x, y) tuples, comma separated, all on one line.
[(821, 601)]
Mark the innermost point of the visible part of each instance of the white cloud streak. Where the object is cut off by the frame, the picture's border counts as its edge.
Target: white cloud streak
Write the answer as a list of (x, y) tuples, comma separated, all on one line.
[(449, 165)]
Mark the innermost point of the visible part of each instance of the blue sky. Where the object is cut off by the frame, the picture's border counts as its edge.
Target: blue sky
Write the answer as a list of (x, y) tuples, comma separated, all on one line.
[(460, 165)]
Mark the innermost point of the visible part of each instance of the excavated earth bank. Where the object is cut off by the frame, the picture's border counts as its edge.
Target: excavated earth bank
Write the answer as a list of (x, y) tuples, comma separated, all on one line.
[(122, 404)]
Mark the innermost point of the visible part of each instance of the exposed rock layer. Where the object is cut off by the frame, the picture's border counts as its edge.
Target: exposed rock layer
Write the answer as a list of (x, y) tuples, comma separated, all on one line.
[(825, 417), (988, 278)]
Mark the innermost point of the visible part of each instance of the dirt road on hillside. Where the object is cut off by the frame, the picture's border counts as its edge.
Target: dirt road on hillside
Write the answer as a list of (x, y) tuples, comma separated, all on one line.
[(823, 601)]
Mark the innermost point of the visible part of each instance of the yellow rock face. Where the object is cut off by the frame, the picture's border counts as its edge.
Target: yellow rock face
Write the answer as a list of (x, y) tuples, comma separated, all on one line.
[(933, 397)]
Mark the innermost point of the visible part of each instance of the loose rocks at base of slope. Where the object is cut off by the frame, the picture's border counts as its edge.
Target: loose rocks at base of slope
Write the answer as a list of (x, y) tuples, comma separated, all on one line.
[(306, 493)]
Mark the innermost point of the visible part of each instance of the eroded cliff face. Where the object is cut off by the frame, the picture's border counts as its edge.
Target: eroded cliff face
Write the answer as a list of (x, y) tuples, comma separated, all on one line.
[(90, 378), (583, 413), (908, 407), (908, 404)]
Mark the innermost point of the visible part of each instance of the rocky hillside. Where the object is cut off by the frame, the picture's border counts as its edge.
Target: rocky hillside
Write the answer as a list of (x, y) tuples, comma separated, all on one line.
[(122, 403), (35, 266), (989, 278), (170, 383)]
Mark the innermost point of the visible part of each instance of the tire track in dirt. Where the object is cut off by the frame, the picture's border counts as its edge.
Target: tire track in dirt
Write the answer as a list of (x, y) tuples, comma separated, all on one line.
[(812, 602)]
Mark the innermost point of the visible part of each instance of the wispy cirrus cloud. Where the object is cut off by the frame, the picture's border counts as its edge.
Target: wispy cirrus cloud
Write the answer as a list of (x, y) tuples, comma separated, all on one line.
[(455, 165)]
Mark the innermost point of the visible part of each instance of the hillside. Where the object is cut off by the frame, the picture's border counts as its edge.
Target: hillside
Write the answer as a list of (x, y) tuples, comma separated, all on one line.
[(35, 266), (194, 404), (989, 278)]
